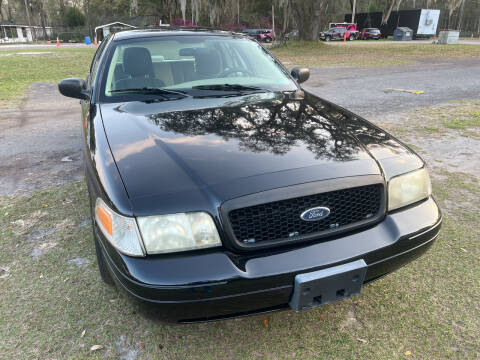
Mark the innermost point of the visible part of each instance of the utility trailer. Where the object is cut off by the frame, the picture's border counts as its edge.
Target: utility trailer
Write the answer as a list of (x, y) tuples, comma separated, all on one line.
[(423, 22)]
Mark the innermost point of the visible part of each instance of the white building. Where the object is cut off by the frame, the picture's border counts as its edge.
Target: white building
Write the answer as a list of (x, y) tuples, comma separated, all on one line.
[(103, 30), (23, 33)]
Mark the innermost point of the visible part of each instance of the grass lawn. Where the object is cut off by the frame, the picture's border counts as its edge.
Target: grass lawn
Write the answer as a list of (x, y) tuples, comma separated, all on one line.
[(458, 117), (19, 69), (51, 294), (366, 53)]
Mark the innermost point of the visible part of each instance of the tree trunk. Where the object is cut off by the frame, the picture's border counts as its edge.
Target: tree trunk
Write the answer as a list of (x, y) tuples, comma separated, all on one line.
[(43, 19), (9, 12), (308, 15), (62, 11), (183, 7), (460, 16), (286, 6), (388, 9)]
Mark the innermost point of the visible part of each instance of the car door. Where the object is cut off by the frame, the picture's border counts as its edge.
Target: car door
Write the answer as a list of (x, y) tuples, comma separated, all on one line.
[(340, 33)]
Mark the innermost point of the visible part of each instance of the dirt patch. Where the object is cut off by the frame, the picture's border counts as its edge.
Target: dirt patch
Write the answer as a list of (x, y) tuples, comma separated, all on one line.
[(36, 138), (446, 136), (40, 233), (457, 153), (43, 248), (79, 262), (124, 350)]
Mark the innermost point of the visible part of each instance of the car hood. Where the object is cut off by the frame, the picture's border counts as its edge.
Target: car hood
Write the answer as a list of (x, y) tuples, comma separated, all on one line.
[(195, 153)]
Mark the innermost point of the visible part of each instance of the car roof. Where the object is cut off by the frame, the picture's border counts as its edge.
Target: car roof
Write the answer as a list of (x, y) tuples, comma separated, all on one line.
[(169, 31)]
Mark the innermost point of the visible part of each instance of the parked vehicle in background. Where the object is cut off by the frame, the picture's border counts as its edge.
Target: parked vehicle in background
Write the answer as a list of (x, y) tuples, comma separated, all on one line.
[(253, 33), (423, 22), (351, 27), (292, 35), (370, 33), (338, 33), (348, 26), (263, 35)]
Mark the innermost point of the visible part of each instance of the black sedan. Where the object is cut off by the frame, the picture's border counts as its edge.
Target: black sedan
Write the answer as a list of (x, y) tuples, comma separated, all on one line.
[(219, 188)]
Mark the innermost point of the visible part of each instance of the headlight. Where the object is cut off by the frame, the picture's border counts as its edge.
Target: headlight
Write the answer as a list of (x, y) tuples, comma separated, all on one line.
[(406, 189), (178, 232), (120, 231)]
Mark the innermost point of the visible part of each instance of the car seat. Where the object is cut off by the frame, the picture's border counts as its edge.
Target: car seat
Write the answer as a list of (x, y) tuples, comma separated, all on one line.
[(137, 65), (208, 63)]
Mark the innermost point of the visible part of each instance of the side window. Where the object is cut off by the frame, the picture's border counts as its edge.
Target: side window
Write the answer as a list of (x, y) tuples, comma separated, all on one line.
[(96, 62)]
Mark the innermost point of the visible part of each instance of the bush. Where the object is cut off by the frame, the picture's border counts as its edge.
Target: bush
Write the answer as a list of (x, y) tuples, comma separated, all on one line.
[(74, 17)]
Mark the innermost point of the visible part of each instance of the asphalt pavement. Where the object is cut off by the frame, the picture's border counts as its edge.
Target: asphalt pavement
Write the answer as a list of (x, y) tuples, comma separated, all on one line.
[(365, 90)]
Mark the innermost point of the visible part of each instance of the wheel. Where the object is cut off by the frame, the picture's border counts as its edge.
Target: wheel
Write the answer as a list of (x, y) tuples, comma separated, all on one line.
[(102, 265), (328, 38), (268, 39), (351, 38)]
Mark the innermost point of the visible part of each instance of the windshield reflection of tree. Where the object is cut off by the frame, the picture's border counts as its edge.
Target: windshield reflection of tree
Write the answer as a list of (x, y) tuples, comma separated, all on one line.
[(274, 126)]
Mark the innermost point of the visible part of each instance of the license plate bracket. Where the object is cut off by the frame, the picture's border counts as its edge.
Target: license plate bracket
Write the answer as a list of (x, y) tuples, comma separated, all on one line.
[(328, 285)]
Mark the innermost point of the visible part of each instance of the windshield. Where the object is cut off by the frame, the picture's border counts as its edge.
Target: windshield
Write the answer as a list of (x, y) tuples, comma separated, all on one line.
[(189, 64)]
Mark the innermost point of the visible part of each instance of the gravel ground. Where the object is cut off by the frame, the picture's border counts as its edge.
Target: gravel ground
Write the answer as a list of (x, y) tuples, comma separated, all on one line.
[(364, 90), (475, 41), (40, 143)]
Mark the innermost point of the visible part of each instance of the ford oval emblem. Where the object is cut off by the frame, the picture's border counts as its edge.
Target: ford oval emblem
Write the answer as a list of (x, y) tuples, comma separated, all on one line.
[(315, 214)]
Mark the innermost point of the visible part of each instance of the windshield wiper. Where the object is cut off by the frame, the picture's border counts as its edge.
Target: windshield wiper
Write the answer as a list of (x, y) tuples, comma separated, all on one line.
[(229, 87), (149, 90)]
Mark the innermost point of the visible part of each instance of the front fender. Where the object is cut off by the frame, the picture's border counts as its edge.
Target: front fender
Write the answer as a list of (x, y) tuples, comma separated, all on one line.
[(103, 178)]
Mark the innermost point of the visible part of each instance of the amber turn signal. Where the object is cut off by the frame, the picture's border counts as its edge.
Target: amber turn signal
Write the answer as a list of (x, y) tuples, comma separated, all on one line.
[(105, 219)]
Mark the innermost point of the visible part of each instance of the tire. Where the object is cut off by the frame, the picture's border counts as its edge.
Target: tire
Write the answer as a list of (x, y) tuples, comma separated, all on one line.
[(102, 265), (268, 39), (327, 38), (351, 38)]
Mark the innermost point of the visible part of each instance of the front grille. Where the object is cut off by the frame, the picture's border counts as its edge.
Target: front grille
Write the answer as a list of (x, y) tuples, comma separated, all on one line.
[(280, 221)]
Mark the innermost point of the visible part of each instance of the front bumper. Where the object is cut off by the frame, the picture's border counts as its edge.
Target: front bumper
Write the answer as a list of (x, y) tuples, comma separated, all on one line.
[(218, 284)]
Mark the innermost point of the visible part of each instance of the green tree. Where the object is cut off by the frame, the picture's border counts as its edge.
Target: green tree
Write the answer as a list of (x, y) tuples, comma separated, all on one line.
[(74, 17)]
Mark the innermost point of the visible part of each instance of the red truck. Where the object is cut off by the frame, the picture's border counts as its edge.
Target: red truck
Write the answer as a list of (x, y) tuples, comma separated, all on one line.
[(340, 31)]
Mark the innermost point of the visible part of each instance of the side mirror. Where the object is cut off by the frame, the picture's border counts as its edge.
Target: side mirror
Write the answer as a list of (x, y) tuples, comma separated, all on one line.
[(74, 88), (300, 74)]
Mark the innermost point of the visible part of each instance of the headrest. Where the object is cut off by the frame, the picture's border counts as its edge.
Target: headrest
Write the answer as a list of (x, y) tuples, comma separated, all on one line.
[(137, 61), (207, 61)]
